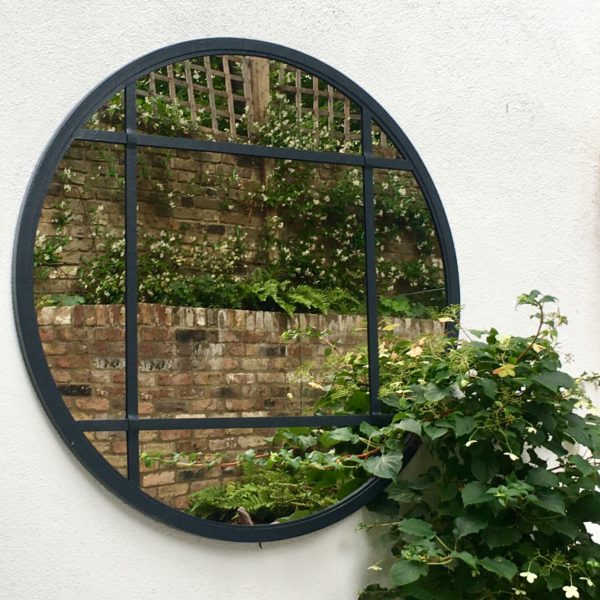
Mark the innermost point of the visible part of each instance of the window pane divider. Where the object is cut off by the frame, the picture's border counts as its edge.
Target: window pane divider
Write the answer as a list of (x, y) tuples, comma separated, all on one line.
[(170, 424), (178, 143), (370, 261), (131, 284)]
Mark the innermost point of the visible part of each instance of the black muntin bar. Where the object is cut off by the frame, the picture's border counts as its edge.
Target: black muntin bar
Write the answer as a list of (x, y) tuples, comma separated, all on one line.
[(230, 422), (370, 265), (179, 143), (131, 284)]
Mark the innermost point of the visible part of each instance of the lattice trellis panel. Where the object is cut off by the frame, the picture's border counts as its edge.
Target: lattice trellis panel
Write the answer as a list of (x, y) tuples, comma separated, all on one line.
[(224, 93)]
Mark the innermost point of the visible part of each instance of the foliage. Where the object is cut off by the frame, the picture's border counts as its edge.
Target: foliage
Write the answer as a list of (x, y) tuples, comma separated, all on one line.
[(301, 473), (48, 249), (327, 250), (514, 445), (501, 512), (311, 246)]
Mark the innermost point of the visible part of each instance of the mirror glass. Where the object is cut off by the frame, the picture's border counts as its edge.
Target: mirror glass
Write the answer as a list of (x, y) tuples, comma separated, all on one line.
[(247, 99), (79, 276), (251, 293)]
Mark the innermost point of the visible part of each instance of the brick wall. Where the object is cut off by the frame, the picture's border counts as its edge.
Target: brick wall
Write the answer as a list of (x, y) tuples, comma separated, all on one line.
[(197, 194), (192, 362)]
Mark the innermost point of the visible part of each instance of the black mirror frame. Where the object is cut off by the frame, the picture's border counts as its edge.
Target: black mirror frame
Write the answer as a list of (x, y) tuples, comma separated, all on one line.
[(23, 263)]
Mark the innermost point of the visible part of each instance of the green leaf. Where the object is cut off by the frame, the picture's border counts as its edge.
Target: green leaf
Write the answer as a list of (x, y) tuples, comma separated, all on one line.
[(404, 571), (475, 493), (335, 436), (550, 501), (466, 557), (582, 465), (566, 527), (497, 537), (409, 425), (578, 430), (367, 429), (433, 393), (500, 566), (490, 387), (470, 523), (416, 527), (463, 425), (386, 466), (542, 478), (434, 432), (484, 468), (553, 380)]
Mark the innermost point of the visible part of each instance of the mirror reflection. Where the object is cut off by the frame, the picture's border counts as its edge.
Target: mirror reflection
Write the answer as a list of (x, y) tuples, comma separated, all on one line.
[(79, 274), (246, 476), (267, 257), (251, 290)]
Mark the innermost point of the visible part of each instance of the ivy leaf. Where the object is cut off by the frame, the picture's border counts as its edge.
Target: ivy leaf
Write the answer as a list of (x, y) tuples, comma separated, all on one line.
[(553, 380), (367, 429), (434, 432), (550, 501), (386, 466), (335, 436), (469, 523), (409, 425), (542, 478), (500, 566), (474, 493), (404, 571), (416, 527)]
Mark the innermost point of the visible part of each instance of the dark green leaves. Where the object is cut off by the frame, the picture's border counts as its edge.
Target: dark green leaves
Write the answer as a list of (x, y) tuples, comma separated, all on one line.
[(555, 380), (403, 572), (416, 527), (500, 566), (475, 493), (542, 478), (550, 501), (469, 523)]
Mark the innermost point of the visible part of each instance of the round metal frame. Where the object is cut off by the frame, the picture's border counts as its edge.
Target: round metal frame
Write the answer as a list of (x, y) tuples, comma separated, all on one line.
[(71, 430)]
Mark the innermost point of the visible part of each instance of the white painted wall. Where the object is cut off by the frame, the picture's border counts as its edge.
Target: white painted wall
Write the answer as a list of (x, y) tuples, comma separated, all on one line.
[(502, 100)]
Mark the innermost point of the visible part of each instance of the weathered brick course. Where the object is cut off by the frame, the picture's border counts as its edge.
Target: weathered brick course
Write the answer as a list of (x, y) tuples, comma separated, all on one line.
[(251, 373)]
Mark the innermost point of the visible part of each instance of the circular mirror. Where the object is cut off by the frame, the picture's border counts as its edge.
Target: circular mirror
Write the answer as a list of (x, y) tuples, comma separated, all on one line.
[(211, 253)]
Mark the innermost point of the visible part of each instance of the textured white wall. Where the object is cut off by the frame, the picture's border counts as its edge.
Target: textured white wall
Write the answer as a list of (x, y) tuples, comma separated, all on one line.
[(502, 100)]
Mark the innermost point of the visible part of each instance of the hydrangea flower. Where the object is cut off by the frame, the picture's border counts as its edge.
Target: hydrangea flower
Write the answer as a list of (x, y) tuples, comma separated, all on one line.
[(570, 591)]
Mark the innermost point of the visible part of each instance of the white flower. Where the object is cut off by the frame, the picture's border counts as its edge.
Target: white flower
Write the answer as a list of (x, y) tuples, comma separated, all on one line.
[(470, 443), (570, 591), (375, 568), (588, 581), (519, 592), (531, 430), (290, 395), (531, 577), (512, 456)]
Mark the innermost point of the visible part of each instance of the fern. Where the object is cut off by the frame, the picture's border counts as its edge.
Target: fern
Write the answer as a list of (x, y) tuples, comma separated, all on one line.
[(309, 297), (266, 495)]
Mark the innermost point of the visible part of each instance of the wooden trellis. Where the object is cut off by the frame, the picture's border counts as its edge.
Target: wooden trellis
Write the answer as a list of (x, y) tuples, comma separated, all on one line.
[(222, 93)]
